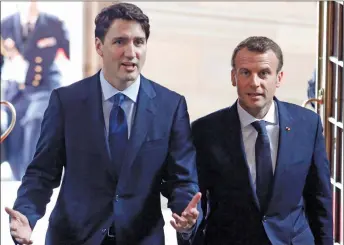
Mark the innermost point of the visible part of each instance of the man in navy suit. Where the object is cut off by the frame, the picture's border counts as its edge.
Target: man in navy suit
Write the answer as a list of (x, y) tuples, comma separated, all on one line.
[(263, 169), (35, 42), (121, 140)]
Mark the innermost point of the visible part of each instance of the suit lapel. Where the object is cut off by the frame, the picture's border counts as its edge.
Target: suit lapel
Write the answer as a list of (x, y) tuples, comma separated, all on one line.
[(286, 137), (94, 114), (17, 33), (35, 34), (145, 112), (236, 149)]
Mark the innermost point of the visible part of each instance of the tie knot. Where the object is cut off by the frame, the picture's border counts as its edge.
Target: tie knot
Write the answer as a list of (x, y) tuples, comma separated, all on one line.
[(118, 99), (260, 126)]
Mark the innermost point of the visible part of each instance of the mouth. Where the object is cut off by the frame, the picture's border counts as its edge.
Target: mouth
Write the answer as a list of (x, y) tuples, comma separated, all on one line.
[(255, 95), (129, 66)]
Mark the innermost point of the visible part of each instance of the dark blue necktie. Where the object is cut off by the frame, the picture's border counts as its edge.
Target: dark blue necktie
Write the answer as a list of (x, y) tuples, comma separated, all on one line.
[(118, 132), (264, 173)]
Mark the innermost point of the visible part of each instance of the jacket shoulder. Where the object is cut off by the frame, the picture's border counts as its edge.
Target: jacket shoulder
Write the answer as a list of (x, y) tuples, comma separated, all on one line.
[(6, 25), (76, 90), (51, 18), (299, 112), (164, 91), (166, 99)]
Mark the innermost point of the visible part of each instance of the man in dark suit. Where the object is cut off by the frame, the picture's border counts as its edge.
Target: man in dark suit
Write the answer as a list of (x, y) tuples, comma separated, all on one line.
[(121, 140), (35, 42), (263, 170)]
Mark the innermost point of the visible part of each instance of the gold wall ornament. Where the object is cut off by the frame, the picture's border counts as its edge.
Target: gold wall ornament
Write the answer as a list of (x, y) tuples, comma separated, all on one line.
[(13, 121)]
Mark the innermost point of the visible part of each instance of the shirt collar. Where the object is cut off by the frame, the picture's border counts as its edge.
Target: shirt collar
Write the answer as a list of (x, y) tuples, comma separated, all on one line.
[(109, 91), (246, 119)]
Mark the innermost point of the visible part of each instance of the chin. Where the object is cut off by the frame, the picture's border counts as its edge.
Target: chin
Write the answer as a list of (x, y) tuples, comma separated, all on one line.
[(258, 105), (130, 77)]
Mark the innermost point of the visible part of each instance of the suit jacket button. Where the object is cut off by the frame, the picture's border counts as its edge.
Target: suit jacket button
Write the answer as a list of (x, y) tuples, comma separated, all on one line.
[(264, 218), (38, 77), (38, 69), (35, 83), (117, 198), (104, 231), (38, 59)]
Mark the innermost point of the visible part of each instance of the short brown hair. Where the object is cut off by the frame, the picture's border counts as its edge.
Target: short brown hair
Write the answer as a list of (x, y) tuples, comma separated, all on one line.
[(259, 44), (125, 11)]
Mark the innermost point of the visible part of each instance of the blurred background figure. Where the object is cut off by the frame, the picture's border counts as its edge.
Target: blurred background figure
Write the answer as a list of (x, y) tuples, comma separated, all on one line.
[(35, 44), (311, 87)]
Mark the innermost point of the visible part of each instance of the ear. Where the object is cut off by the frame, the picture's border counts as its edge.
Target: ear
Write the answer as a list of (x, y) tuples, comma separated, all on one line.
[(279, 79), (233, 77), (99, 46)]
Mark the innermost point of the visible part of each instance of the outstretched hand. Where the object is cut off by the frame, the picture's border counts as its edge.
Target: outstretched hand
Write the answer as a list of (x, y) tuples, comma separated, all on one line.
[(19, 227), (189, 216)]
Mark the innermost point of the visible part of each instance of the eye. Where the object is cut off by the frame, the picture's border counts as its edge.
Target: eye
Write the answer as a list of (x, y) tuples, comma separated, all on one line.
[(245, 72), (264, 73), (139, 42)]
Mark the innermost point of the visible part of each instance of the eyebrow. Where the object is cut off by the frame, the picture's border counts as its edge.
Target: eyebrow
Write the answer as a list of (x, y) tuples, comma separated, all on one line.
[(126, 38), (260, 70), (266, 69), (243, 68)]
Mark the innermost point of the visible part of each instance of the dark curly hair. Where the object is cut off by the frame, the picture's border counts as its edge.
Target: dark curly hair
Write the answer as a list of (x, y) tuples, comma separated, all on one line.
[(125, 11)]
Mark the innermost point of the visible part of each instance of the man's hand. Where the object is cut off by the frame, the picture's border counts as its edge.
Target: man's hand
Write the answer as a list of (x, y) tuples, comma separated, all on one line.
[(189, 216), (19, 227)]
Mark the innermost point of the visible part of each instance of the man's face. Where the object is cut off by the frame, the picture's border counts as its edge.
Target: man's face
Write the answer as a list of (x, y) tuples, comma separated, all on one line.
[(255, 76), (123, 50)]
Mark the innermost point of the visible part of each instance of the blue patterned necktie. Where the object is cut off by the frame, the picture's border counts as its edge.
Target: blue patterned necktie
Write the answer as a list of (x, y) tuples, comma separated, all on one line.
[(118, 132), (264, 173)]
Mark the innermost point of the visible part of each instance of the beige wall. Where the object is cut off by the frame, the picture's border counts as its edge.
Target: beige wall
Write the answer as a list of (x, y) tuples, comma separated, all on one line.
[(191, 44)]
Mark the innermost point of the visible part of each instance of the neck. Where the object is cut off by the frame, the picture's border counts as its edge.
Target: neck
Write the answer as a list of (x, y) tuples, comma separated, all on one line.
[(258, 113)]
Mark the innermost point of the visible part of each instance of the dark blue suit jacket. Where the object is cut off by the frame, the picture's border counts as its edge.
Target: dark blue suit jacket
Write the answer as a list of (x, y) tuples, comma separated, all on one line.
[(300, 207), (160, 158)]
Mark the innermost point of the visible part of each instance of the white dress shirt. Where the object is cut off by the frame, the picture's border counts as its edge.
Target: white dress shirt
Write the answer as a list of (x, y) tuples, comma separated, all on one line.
[(249, 135), (28, 22), (128, 105)]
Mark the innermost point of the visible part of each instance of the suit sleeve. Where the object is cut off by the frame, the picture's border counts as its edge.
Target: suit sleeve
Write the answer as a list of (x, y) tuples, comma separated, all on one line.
[(204, 178), (44, 172), (4, 29), (317, 193), (180, 181)]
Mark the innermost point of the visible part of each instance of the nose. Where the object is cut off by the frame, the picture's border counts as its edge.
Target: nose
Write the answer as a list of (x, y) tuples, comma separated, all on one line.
[(129, 51), (255, 81)]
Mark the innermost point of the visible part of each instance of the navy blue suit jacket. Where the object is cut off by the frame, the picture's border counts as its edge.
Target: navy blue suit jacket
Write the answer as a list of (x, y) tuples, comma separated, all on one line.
[(300, 207), (160, 158)]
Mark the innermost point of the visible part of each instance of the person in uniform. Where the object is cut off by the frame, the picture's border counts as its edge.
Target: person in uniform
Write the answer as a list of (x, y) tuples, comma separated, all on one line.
[(34, 42)]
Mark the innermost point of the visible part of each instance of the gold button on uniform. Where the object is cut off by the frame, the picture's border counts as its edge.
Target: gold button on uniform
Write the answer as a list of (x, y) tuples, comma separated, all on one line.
[(38, 69), (38, 59), (38, 77), (35, 83)]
